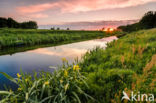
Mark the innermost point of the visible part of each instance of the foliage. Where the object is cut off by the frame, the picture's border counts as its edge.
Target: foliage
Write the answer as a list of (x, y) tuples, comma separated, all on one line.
[(29, 25), (3, 22), (22, 37), (11, 23), (62, 86), (148, 21), (120, 66), (128, 64)]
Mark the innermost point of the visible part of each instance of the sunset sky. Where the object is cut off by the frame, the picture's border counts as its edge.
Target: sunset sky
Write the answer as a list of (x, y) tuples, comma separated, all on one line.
[(47, 12)]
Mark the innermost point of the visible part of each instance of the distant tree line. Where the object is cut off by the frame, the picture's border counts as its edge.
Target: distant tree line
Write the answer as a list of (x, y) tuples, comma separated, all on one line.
[(11, 23), (148, 21), (53, 28)]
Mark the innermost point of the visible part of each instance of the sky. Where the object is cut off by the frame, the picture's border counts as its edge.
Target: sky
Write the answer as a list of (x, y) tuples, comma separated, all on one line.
[(65, 12)]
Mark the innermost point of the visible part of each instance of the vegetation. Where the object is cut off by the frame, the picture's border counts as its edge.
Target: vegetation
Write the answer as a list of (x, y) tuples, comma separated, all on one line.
[(62, 86), (127, 64), (11, 23), (148, 21), (53, 28), (21, 37)]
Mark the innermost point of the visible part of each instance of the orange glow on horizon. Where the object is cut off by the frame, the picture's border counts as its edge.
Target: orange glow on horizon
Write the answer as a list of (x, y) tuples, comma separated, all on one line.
[(109, 29)]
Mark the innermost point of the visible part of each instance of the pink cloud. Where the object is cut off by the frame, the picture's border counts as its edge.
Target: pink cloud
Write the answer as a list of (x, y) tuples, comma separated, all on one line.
[(82, 5), (92, 5), (35, 8), (73, 52), (38, 15)]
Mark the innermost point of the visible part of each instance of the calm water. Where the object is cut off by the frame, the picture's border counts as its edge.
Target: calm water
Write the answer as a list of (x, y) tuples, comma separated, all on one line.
[(40, 59)]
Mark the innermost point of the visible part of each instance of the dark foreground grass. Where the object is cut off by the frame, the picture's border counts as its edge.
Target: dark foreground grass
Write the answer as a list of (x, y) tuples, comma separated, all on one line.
[(127, 64)]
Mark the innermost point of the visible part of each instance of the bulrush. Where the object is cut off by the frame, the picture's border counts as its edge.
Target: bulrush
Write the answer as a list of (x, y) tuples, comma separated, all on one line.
[(133, 49), (140, 50), (122, 60)]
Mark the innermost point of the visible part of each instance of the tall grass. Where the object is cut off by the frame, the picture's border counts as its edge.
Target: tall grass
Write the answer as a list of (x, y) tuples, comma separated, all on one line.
[(62, 86), (127, 64), (20, 37)]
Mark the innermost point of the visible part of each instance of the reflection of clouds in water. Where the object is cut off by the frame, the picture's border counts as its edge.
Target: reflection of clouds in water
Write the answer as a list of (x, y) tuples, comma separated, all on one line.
[(46, 59), (75, 49), (108, 39), (67, 52)]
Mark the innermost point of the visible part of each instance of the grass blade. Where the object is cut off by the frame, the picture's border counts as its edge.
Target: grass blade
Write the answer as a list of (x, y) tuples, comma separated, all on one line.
[(4, 92), (77, 97), (9, 77)]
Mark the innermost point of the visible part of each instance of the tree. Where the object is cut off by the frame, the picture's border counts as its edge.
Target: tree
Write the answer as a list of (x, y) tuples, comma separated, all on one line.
[(53, 28), (155, 19), (58, 28), (68, 29), (32, 25), (11, 23), (29, 25), (3, 22), (148, 20), (103, 29)]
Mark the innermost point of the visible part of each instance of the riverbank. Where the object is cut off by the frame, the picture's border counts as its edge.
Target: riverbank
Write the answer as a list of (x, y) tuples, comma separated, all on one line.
[(128, 64), (13, 50), (42, 58), (30, 37)]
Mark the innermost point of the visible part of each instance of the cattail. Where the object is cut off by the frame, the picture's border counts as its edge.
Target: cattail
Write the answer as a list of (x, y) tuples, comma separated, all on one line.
[(115, 43), (152, 85), (133, 49), (150, 64), (141, 79), (140, 51), (120, 45), (122, 60), (133, 86)]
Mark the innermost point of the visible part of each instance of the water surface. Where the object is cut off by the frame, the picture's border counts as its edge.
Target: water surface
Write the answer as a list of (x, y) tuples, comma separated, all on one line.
[(40, 59)]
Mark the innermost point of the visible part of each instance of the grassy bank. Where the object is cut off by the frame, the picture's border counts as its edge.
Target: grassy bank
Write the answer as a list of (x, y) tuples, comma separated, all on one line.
[(12, 50), (27, 37), (127, 64)]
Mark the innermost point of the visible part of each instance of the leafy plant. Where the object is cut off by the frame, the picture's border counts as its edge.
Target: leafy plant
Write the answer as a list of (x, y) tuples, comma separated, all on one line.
[(62, 86)]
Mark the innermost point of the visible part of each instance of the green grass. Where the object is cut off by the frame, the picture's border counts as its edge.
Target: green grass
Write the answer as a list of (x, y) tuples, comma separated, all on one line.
[(127, 64), (122, 66), (31, 37), (61, 86)]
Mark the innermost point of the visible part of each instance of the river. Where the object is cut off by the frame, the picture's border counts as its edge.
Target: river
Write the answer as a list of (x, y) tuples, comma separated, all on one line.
[(45, 59)]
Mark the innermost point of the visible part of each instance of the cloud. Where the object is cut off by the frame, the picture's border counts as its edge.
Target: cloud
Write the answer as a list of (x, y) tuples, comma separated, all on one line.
[(33, 11), (81, 5), (35, 8), (38, 15), (92, 5)]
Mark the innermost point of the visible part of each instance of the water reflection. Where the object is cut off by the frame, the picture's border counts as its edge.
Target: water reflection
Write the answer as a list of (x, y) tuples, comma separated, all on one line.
[(67, 52), (40, 59)]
